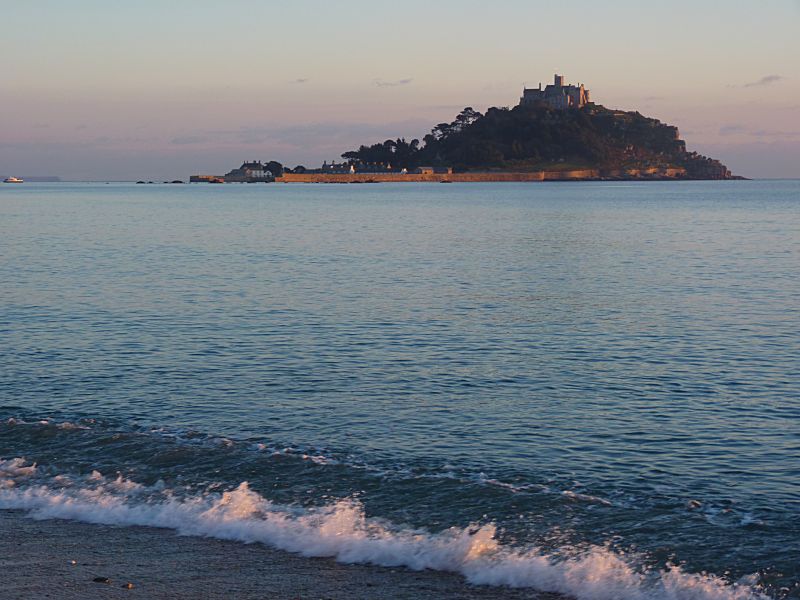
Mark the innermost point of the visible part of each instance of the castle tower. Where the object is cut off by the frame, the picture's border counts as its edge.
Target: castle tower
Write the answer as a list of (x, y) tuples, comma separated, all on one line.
[(559, 81)]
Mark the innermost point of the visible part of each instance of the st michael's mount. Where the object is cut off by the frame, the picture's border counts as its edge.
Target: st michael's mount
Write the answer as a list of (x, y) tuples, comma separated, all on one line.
[(555, 132)]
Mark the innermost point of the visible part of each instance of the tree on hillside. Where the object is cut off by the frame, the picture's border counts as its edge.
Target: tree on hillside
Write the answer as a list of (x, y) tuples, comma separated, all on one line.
[(533, 137)]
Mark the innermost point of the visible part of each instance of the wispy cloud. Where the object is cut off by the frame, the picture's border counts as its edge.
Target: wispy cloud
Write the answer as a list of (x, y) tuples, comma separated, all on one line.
[(732, 129), (778, 134), (186, 140), (766, 80), (299, 138), (105, 140), (310, 132), (398, 82), (456, 107), (300, 81), (741, 130)]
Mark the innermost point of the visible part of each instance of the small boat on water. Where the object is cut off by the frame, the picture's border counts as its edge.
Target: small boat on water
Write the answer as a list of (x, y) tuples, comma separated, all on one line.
[(13, 180)]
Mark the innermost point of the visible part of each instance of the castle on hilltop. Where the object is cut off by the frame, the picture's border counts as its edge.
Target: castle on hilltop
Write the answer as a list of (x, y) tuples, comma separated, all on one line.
[(558, 95)]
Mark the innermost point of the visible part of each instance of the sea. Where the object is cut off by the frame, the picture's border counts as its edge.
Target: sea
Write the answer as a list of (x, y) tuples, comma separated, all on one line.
[(585, 388)]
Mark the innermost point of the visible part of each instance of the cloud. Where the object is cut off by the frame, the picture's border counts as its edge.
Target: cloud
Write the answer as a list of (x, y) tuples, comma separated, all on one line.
[(741, 130), (300, 80), (105, 140), (185, 140), (307, 139), (732, 129), (308, 133), (769, 133), (766, 80), (455, 107), (382, 83)]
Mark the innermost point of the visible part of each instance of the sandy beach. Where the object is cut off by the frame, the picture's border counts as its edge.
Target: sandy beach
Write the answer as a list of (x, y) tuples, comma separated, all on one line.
[(36, 559)]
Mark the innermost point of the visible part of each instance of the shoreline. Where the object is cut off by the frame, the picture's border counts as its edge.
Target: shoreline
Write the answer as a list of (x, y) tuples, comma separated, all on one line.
[(653, 174), (37, 562)]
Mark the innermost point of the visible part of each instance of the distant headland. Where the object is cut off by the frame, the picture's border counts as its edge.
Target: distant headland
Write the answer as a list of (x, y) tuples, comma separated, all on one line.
[(553, 133)]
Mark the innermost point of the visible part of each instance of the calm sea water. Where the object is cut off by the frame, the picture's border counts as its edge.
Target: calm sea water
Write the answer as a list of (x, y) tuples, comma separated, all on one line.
[(609, 374)]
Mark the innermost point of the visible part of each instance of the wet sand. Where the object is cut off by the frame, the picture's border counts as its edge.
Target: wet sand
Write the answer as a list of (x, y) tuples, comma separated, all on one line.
[(36, 562)]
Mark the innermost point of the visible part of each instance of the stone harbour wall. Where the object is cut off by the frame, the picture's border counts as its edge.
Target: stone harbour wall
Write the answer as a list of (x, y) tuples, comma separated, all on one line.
[(574, 175), (397, 177)]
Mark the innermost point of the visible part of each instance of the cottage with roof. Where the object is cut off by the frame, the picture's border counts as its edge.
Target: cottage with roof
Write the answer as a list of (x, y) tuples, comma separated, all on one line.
[(249, 172)]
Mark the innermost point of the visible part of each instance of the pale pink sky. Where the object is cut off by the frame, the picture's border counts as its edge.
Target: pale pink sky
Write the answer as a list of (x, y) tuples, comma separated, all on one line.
[(110, 90)]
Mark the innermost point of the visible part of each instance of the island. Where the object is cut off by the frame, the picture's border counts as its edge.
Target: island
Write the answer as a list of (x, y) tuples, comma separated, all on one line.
[(553, 133)]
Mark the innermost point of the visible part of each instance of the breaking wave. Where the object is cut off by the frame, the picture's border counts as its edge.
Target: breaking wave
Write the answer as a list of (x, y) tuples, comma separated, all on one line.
[(342, 530)]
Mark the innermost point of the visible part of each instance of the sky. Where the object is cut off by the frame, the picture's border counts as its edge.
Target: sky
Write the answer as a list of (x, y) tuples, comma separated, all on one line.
[(113, 90)]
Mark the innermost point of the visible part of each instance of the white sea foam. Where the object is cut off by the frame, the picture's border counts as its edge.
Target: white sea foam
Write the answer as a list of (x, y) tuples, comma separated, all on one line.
[(483, 479), (67, 425), (319, 459), (318, 456), (342, 531), (16, 468), (586, 498), (71, 426)]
